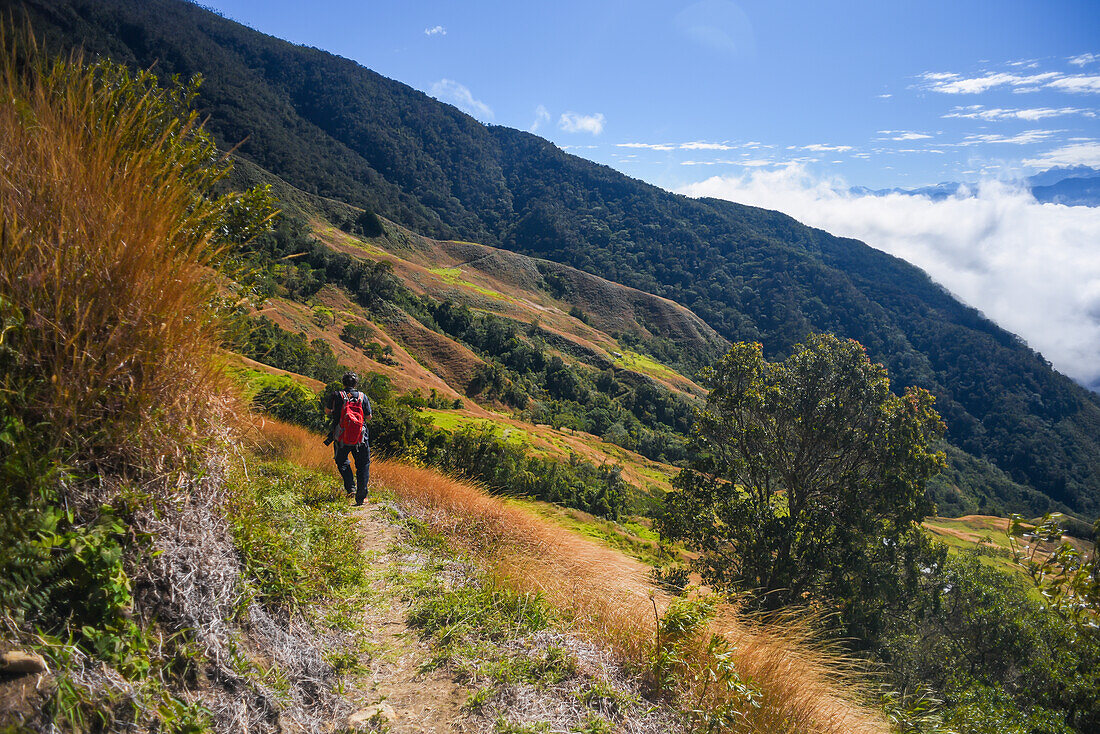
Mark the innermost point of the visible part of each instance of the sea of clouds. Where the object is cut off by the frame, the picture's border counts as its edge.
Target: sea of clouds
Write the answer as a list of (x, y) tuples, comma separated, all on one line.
[(1032, 268)]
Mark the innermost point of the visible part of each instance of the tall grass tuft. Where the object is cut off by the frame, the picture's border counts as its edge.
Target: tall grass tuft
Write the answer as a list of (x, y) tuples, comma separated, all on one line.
[(106, 238), (732, 672)]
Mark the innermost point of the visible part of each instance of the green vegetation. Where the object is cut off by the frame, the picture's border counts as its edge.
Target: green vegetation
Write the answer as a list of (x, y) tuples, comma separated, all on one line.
[(115, 564), (265, 341), (466, 623), (449, 421), (625, 535), (109, 562), (504, 645), (290, 262), (808, 490), (811, 476), (1067, 576), (454, 276), (359, 336), (501, 463), (751, 274), (724, 695), (971, 486), (641, 363), (622, 407), (293, 534), (997, 657)]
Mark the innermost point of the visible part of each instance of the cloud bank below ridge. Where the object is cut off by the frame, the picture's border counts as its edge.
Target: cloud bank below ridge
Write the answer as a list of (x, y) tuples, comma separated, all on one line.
[(1032, 268)]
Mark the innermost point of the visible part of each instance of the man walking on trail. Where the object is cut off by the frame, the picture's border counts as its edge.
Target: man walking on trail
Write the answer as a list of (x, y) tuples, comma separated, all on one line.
[(350, 411)]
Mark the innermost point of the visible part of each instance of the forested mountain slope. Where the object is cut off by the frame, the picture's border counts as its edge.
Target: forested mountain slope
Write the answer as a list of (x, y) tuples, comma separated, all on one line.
[(331, 127)]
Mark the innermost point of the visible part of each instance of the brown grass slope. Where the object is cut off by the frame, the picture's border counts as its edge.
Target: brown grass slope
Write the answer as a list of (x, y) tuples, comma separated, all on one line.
[(518, 287), (607, 596)]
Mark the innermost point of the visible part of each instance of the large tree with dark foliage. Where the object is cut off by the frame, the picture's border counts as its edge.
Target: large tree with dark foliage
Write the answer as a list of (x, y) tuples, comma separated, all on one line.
[(809, 468), (333, 128)]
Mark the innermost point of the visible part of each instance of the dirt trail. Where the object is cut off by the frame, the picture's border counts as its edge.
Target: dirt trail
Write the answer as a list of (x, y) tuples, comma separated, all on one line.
[(421, 703)]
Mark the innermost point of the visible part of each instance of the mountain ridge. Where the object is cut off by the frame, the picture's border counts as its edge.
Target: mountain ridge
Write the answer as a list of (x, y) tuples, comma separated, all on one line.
[(336, 129)]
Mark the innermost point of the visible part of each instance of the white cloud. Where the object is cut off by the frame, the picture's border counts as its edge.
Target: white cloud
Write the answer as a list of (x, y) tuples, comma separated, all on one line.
[(1033, 268), (1025, 138), (978, 112), (648, 146), (952, 83), (902, 136), (448, 90), (706, 146), (884, 96), (1078, 154), (823, 148), (693, 145), (571, 122), (542, 115), (436, 30), (1077, 84), (1083, 59)]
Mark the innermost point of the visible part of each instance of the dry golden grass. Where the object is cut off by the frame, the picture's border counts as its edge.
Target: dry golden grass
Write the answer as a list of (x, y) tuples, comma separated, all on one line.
[(607, 595), (105, 247)]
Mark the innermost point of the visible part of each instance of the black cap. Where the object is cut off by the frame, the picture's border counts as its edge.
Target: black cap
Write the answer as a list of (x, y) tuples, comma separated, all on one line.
[(350, 379)]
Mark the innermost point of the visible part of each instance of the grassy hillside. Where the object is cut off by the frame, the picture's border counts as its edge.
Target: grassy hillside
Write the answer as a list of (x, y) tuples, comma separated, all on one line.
[(171, 562), (335, 129), (418, 357)]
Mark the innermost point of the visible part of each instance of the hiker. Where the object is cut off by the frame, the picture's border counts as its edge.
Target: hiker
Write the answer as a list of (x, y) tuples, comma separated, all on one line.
[(350, 411)]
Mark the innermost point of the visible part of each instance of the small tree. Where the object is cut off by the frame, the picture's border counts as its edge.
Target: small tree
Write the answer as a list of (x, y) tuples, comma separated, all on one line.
[(811, 472)]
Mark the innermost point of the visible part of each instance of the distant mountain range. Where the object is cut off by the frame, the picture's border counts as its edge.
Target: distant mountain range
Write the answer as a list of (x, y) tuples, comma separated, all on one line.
[(334, 129), (1076, 186)]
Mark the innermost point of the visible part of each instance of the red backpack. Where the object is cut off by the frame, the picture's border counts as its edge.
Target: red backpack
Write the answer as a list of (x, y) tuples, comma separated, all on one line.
[(350, 430)]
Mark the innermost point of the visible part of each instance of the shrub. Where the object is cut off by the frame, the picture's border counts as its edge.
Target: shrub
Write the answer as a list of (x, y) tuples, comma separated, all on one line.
[(288, 401)]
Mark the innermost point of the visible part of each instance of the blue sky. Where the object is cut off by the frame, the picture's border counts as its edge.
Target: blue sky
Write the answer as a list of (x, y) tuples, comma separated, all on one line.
[(788, 104), (881, 93)]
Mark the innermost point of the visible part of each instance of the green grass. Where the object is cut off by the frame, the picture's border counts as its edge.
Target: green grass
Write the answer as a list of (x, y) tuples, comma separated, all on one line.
[(503, 726), (632, 360), (994, 550), (294, 534), (344, 238), (453, 276), (253, 381), (451, 421), (466, 615), (629, 537)]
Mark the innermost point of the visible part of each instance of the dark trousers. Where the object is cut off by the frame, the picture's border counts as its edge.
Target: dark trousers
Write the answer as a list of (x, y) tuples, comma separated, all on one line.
[(356, 482)]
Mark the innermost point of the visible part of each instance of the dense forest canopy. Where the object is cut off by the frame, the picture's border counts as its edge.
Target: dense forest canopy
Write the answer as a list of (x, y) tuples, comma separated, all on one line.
[(333, 128)]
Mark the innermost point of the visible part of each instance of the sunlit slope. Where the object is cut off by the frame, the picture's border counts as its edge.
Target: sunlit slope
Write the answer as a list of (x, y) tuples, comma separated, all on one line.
[(336, 129), (803, 685), (581, 312), (513, 287)]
